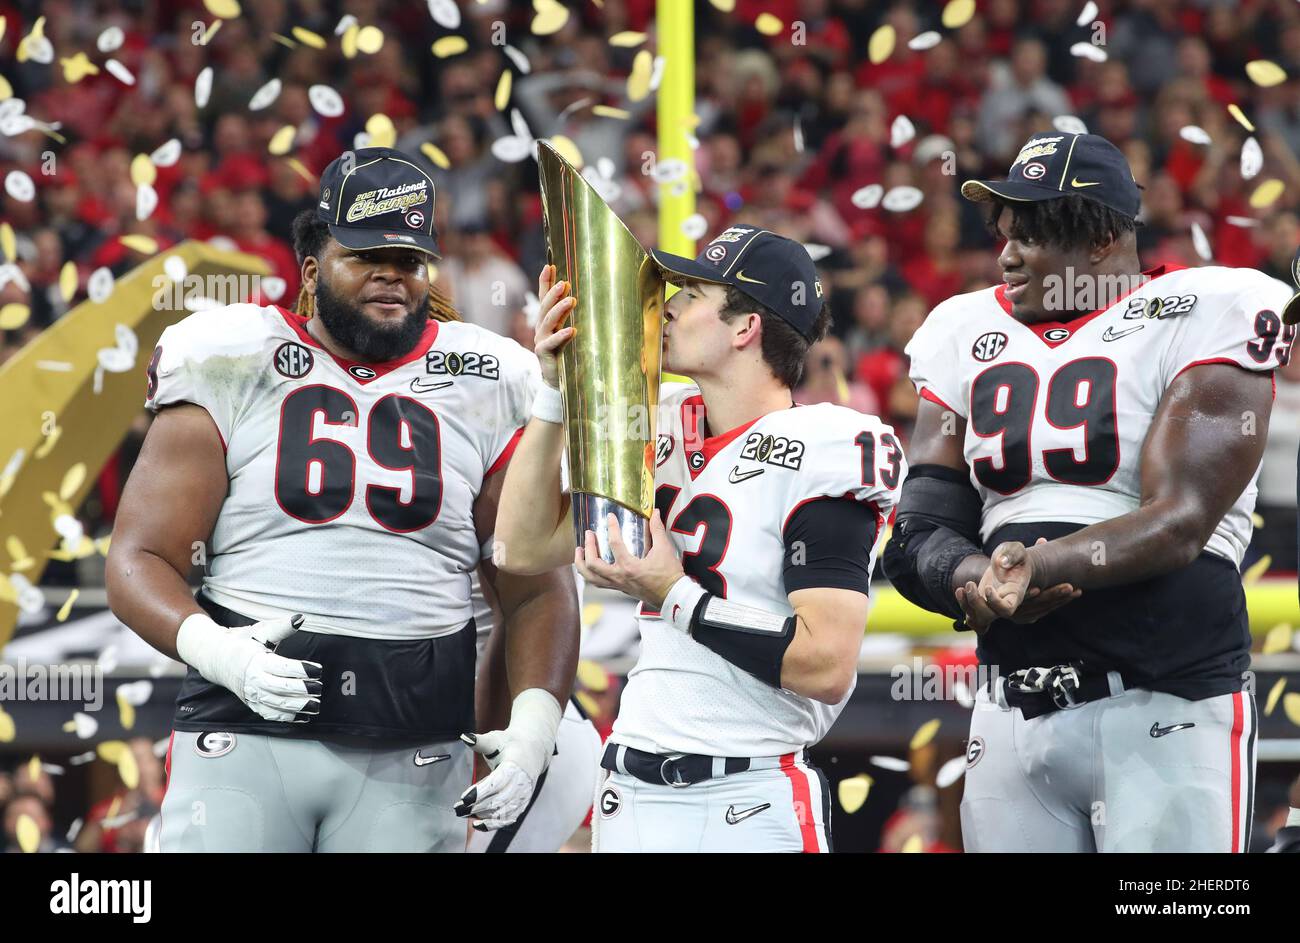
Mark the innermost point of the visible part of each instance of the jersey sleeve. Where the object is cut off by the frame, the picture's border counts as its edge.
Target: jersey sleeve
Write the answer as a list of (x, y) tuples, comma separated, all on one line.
[(520, 379), (1242, 326), (192, 364), (854, 457), (932, 363)]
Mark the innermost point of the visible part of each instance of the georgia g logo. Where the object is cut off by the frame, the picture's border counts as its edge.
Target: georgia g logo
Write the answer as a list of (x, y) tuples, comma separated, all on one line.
[(610, 802), (988, 346)]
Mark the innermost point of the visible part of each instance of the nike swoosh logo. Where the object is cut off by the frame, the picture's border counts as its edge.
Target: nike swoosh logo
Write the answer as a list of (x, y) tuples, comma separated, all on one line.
[(418, 385), (422, 760), (1158, 731), (741, 276), (735, 818), (737, 476), (1075, 183), (1110, 334)]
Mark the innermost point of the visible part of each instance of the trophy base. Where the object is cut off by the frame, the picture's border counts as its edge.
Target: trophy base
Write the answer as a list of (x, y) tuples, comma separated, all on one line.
[(591, 512)]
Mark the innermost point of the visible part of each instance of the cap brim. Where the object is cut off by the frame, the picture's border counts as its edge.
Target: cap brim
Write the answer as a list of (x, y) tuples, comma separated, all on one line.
[(1291, 310), (1018, 191), (356, 238), (678, 268)]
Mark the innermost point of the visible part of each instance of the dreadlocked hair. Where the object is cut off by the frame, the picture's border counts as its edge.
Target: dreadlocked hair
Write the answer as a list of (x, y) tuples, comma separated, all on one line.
[(1070, 222), (310, 236)]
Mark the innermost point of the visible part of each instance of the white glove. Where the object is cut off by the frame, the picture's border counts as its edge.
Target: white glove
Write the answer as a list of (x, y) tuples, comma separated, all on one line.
[(517, 757), (242, 661)]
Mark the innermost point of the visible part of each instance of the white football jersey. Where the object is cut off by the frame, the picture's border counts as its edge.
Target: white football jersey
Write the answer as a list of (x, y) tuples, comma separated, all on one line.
[(726, 500), (352, 485), (1056, 413)]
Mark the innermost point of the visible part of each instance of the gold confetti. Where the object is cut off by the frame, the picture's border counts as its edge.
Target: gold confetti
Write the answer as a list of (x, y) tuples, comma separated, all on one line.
[(114, 807), (127, 768), (58, 507), (6, 90), (609, 111), (924, 734), (627, 39), (913, 846), (435, 154), (211, 31), (68, 280), (1256, 570), (589, 705), (7, 243), (592, 677), (349, 41), (77, 68), (638, 80), (143, 172), (381, 130), (102, 545), (726, 6), (66, 610), (72, 481), (502, 97), (449, 46), (28, 833), (282, 140), (142, 244), (224, 9), (1274, 694), (110, 751), (47, 446), (125, 713), (14, 316), (568, 150), (881, 45), (1240, 117), (551, 17), (7, 732), (1277, 639), (1291, 707), (1266, 194), (301, 169), (1256, 520), (284, 41), (768, 24), (1265, 73), (433, 273), (3, 24), (370, 39), (315, 40), (853, 792), (34, 767), (958, 13)]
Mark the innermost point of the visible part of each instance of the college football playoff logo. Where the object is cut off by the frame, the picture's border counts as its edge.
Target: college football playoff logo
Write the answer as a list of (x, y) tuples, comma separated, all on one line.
[(988, 346), (663, 449)]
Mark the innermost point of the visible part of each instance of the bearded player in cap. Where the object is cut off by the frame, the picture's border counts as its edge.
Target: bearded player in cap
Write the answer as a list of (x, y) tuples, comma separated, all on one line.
[(343, 464), (1084, 467), (754, 592)]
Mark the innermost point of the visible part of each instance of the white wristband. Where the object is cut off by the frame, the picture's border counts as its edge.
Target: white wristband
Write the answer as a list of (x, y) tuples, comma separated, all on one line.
[(679, 605), (548, 405)]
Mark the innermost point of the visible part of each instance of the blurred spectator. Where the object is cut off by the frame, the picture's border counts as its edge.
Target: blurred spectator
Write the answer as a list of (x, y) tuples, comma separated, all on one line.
[(825, 380), (488, 289), (1015, 89), (32, 809), (118, 823), (884, 370)]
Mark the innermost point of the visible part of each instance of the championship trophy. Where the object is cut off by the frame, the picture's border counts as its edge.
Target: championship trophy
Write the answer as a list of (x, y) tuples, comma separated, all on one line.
[(609, 372)]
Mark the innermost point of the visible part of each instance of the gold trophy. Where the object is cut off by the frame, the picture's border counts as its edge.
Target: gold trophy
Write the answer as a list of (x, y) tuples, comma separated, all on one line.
[(609, 372)]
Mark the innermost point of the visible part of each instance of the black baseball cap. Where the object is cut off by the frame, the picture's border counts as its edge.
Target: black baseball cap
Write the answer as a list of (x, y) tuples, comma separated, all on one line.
[(1054, 165), (376, 197), (766, 267)]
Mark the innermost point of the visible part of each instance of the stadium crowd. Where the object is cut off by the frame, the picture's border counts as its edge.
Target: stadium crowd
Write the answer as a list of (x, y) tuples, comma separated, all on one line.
[(792, 128)]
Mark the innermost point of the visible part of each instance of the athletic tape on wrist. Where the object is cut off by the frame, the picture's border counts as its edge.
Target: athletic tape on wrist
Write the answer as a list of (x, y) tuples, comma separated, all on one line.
[(548, 405)]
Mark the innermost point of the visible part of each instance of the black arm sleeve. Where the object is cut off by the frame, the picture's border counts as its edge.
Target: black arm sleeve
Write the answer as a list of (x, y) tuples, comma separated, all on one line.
[(828, 544)]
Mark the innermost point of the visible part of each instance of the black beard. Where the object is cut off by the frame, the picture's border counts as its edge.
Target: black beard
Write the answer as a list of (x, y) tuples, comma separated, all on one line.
[(373, 343)]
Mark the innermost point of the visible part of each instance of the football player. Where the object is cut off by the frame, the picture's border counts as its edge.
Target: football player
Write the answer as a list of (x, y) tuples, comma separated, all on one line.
[(342, 466), (754, 592), (1085, 456)]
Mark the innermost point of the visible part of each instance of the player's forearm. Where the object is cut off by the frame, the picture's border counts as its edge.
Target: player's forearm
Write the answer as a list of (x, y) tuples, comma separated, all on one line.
[(970, 570), (148, 594), (1155, 539), (542, 629), (533, 508), (815, 669)]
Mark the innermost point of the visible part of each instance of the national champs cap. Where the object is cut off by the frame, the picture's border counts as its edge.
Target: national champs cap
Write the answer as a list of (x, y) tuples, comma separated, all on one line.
[(1051, 166), (775, 271), (375, 197)]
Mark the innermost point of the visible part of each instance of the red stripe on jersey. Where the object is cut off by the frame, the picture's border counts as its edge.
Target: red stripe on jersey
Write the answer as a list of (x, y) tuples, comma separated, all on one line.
[(693, 422), (299, 326), (506, 452), (926, 393), (802, 803), (1238, 721), (1074, 325), (167, 766)]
